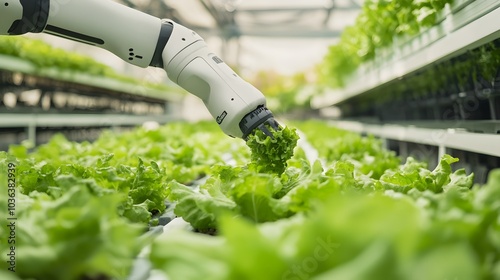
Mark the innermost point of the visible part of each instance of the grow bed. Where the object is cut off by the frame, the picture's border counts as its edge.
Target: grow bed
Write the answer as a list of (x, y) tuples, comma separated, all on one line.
[(344, 208)]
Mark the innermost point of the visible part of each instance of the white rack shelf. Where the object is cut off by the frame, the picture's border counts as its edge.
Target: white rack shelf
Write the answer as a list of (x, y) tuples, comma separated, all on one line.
[(465, 25), (488, 144), (77, 120), (18, 65), (32, 121)]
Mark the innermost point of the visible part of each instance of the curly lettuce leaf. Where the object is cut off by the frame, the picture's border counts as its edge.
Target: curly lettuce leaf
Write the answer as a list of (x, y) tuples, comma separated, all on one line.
[(367, 154), (270, 154), (414, 175), (254, 194)]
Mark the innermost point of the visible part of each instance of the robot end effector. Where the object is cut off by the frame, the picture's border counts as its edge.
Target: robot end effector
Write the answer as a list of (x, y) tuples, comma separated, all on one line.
[(238, 107)]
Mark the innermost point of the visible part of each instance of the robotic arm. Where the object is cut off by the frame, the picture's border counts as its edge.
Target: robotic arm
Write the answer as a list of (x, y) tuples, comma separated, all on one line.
[(144, 40)]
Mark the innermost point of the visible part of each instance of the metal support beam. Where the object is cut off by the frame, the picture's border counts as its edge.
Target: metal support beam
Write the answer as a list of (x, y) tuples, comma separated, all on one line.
[(31, 121), (287, 10), (289, 33), (31, 131)]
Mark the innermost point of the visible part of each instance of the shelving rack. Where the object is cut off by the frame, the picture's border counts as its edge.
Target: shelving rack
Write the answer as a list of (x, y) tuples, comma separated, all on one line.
[(461, 118), (466, 25), (77, 104)]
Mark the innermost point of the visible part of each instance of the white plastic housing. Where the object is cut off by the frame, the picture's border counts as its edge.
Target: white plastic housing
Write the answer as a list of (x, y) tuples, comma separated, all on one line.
[(10, 11), (190, 64), (130, 34), (134, 36)]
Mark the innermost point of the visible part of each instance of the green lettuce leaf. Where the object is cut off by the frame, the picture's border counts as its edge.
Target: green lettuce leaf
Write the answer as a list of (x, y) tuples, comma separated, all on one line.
[(200, 208), (375, 262), (414, 175), (349, 236), (257, 249), (73, 236), (235, 190), (367, 154), (190, 256), (270, 155), (460, 263), (254, 194)]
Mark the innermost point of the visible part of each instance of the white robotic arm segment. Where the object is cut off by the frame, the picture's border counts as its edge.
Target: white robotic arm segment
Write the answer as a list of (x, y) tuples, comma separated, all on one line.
[(190, 64), (130, 34), (144, 40), (227, 97)]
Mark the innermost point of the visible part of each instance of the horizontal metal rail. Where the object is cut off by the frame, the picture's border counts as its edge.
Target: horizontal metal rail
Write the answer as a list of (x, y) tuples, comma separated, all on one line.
[(483, 143)]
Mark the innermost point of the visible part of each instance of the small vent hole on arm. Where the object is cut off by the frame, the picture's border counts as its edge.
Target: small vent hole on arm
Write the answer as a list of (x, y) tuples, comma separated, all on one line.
[(6, 4)]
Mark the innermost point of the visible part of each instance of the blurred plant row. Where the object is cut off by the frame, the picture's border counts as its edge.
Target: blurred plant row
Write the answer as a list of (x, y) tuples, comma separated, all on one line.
[(376, 27), (381, 26), (44, 56), (464, 87)]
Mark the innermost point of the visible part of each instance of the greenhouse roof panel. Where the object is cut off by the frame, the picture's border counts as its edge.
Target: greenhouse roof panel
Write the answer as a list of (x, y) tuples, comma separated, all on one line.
[(235, 18), (236, 28)]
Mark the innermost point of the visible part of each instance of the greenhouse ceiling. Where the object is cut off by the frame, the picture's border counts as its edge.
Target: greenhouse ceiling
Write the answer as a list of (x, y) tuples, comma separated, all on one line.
[(258, 18), (286, 36)]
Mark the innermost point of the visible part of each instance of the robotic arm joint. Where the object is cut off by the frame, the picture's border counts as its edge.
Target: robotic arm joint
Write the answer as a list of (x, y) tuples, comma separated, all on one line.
[(34, 16)]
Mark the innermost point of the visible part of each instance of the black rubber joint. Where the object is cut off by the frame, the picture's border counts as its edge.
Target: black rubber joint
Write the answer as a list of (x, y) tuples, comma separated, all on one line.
[(259, 118), (165, 32), (35, 17)]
